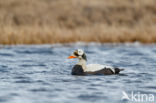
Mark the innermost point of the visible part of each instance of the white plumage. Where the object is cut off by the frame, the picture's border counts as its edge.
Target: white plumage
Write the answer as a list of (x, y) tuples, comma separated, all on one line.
[(96, 67)]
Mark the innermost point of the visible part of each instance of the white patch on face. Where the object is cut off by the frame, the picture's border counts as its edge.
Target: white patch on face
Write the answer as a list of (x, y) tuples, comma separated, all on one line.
[(80, 52)]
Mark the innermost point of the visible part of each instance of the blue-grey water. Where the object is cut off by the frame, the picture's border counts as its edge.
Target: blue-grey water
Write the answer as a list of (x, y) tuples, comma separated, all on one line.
[(41, 74)]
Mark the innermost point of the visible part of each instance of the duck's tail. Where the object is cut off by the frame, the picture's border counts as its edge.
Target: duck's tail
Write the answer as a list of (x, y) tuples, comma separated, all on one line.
[(117, 70)]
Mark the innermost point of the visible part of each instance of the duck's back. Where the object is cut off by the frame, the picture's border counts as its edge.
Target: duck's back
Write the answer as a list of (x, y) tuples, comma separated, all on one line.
[(101, 69), (96, 67)]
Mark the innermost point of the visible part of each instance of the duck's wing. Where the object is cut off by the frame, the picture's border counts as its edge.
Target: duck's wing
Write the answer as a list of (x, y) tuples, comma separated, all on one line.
[(102, 69), (93, 67)]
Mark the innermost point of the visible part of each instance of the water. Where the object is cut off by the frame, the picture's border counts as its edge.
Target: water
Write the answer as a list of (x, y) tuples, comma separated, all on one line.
[(41, 73)]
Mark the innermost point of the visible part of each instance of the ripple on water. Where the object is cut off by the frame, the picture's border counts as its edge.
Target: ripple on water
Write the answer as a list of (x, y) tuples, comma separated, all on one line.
[(32, 65), (23, 81), (91, 97), (3, 99), (45, 51), (6, 54), (40, 90)]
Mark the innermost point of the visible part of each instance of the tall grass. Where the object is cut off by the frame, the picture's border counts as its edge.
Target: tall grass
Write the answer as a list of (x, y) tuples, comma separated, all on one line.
[(64, 21)]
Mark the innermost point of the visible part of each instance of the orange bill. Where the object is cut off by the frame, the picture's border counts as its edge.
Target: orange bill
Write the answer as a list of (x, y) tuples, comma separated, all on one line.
[(70, 57)]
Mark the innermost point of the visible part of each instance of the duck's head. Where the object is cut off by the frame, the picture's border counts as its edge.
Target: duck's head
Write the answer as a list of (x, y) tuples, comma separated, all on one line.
[(79, 53)]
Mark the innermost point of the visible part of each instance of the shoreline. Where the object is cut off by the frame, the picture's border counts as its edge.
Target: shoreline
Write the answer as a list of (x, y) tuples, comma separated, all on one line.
[(81, 44)]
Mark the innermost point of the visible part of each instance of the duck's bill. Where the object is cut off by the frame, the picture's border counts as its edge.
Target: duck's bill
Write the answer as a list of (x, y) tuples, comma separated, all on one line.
[(70, 57)]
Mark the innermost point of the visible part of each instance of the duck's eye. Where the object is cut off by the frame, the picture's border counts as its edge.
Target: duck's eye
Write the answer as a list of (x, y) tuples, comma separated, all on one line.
[(80, 52)]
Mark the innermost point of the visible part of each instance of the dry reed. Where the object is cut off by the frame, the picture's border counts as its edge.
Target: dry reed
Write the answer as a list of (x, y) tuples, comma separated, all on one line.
[(64, 21)]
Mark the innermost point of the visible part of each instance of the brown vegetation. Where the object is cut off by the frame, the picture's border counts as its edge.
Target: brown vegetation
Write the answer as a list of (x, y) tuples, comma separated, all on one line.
[(64, 21)]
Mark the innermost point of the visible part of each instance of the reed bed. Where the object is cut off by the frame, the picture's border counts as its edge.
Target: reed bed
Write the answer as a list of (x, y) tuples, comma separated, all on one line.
[(65, 21)]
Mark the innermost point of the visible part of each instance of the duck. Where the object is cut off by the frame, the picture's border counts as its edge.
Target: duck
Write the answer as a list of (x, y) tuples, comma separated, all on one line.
[(91, 69)]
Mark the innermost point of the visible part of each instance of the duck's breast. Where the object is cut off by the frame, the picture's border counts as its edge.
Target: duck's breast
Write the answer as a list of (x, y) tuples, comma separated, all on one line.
[(77, 70)]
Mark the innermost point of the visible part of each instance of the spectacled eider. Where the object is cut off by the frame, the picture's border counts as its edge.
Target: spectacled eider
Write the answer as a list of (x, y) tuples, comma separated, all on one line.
[(92, 69)]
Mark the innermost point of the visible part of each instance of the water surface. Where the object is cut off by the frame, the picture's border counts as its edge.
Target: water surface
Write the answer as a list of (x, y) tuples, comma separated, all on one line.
[(41, 73)]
